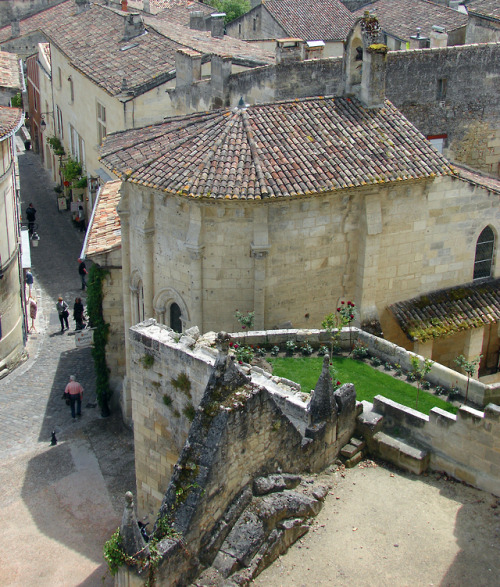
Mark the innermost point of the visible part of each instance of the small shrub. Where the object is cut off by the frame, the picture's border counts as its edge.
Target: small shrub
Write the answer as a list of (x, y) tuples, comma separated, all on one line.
[(454, 394), (244, 354), (411, 376), (245, 320), (260, 351), (426, 384), (398, 369), (376, 361), (387, 366), (275, 351), (336, 347), (189, 411), (306, 349), (147, 361), (360, 351), (290, 347), (440, 390), (323, 350), (167, 400), (182, 383)]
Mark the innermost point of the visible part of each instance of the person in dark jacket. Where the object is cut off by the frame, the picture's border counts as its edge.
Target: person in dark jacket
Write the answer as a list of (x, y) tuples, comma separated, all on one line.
[(78, 314), (30, 217), (82, 271)]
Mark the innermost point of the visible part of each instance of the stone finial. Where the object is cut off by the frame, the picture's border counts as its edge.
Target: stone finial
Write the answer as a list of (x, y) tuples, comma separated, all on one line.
[(321, 405), (133, 542)]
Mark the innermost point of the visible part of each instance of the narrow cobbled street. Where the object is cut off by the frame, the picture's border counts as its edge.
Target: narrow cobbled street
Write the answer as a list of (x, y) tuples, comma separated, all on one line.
[(59, 503)]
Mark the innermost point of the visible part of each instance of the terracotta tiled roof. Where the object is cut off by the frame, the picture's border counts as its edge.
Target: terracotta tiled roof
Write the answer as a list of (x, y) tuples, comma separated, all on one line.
[(312, 20), (475, 177), (10, 71), (448, 311), (10, 120), (489, 8), (204, 43), (400, 18), (104, 233), (178, 11), (283, 149)]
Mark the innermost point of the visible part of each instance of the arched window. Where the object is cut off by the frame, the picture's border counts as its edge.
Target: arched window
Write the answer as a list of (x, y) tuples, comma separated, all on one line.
[(175, 318), (485, 248)]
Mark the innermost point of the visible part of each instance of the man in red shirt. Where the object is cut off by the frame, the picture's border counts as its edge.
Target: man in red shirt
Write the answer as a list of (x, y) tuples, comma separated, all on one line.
[(75, 393)]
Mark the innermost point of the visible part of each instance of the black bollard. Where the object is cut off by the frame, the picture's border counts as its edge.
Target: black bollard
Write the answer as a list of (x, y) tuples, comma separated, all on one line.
[(53, 440)]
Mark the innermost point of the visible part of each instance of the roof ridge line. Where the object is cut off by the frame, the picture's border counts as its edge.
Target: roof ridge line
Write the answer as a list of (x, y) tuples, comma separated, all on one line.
[(255, 156)]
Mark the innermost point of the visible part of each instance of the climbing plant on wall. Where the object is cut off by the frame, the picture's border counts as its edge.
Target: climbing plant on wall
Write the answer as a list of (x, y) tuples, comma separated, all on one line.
[(101, 332)]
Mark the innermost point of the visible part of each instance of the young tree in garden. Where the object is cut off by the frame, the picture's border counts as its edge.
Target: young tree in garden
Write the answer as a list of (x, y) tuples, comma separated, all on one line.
[(470, 367), (334, 322), (245, 320), (419, 369), (232, 8)]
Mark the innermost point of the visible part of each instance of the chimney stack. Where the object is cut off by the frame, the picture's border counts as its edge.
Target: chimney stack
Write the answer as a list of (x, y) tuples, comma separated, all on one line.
[(217, 24), (417, 41), (146, 7), (82, 5), (373, 76), (439, 37), (187, 67), (124, 6), (197, 20), (134, 26), (289, 50)]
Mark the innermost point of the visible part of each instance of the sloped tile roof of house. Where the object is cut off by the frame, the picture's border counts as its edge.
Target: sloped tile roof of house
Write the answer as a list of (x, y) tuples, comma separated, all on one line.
[(178, 10), (204, 43), (400, 18), (10, 71), (283, 149), (488, 8), (10, 120), (104, 232), (448, 311), (312, 20)]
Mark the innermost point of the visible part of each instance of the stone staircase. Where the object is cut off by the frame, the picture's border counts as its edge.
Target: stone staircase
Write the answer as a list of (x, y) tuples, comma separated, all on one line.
[(352, 453), (392, 445)]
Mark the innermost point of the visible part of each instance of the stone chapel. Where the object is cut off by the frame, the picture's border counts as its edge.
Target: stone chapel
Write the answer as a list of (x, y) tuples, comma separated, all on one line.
[(287, 208)]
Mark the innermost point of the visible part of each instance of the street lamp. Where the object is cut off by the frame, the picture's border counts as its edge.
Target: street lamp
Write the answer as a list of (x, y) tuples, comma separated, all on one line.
[(43, 124)]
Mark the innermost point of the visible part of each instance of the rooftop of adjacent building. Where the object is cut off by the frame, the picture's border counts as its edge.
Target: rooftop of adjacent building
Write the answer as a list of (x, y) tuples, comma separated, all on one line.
[(104, 231), (312, 19), (401, 18), (10, 71), (10, 120), (487, 8)]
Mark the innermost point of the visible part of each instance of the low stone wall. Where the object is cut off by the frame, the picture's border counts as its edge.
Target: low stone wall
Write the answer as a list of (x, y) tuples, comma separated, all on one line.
[(465, 445)]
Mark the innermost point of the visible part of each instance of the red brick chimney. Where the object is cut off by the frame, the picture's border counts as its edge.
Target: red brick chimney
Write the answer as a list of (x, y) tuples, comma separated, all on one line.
[(124, 5)]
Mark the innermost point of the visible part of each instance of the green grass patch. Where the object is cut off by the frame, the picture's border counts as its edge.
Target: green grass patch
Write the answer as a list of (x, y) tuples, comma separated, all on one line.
[(368, 381)]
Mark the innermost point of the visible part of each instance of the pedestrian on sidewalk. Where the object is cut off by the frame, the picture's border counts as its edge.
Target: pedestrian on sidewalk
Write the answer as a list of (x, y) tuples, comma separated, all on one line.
[(75, 393), (28, 278), (81, 218), (62, 310), (82, 270), (78, 314), (33, 310), (30, 217)]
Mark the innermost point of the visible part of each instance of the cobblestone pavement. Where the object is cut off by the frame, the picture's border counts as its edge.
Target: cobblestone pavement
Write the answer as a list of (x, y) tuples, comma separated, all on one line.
[(62, 501)]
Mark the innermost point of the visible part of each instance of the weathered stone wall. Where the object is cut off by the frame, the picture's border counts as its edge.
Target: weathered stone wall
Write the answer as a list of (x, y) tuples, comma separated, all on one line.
[(465, 445), (481, 30), (256, 24), (21, 8), (468, 111)]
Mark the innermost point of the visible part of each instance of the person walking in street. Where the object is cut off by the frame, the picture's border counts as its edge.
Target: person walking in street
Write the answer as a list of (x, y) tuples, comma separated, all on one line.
[(82, 270), (78, 313), (28, 278), (81, 218), (30, 216), (75, 393), (62, 310), (33, 307)]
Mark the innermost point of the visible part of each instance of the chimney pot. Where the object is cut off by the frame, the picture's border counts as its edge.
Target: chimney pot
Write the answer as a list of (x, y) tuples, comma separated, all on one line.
[(124, 5)]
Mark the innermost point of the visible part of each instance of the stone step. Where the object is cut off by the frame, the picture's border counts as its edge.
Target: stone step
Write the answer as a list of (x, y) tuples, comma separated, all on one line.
[(352, 448), (368, 423), (354, 460), (401, 453)]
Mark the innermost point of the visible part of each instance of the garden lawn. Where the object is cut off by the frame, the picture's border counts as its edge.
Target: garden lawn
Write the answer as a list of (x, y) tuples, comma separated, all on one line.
[(367, 381)]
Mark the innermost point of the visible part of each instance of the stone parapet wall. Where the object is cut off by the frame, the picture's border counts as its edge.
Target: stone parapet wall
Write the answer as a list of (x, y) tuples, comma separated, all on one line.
[(465, 445)]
